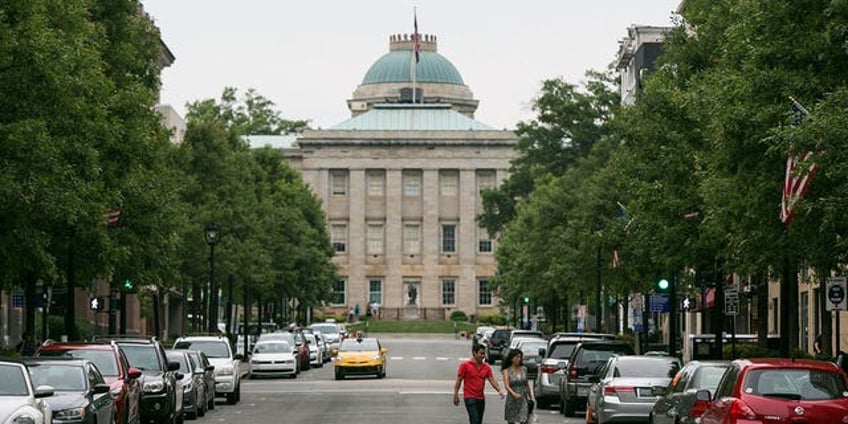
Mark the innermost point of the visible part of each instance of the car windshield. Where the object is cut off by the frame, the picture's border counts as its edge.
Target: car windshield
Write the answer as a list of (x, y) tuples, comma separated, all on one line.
[(707, 377), (63, 378), (212, 348), (795, 384), (351, 345), (104, 359), (562, 350), (273, 347), (14, 381), (645, 367), (142, 357), (326, 328)]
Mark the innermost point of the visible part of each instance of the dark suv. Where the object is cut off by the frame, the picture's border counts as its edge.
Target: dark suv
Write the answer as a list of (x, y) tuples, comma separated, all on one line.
[(496, 343), (161, 394), (554, 362), (585, 360)]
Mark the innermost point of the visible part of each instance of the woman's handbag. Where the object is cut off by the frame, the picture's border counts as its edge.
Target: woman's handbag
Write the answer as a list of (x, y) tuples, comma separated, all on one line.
[(531, 405)]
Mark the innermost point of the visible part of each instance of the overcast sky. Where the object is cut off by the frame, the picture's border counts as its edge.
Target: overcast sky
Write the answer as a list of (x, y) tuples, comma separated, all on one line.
[(309, 56)]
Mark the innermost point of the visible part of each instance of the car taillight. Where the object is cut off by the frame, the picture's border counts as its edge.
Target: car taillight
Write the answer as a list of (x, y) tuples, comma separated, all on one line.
[(741, 410), (698, 408), (615, 390), (572, 371), (548, 369)]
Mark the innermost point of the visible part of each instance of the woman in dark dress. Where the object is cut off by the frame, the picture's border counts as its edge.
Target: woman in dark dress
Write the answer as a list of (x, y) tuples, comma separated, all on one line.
[(518, 388)]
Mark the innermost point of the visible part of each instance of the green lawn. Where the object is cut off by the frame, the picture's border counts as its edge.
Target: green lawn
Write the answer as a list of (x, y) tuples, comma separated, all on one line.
[(430, 327)]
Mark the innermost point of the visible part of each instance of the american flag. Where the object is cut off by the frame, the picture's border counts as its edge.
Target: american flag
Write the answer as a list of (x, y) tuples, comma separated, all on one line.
[(797, 180), (112, 217), (416, 39)]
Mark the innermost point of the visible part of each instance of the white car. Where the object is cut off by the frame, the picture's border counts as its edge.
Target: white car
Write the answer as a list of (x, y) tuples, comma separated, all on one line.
[(227, 363), (273, 357), (19, 402), (316, 355)]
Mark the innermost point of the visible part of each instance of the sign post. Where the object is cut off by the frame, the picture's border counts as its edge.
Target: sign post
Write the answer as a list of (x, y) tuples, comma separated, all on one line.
[(836, 290)]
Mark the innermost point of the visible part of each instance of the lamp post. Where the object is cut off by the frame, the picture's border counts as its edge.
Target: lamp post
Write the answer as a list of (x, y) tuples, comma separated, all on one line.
[(212, 238), (598, 228)]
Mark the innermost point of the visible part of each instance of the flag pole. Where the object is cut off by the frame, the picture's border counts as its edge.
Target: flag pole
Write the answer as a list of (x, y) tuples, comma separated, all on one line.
[(416, 45)]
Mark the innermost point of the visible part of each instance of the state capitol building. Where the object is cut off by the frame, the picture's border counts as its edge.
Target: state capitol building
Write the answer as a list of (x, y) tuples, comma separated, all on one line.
[(401, 184)]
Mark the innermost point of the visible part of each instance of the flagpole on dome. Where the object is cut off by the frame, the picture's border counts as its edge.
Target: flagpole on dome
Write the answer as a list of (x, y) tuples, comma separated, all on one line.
[(416, 50)]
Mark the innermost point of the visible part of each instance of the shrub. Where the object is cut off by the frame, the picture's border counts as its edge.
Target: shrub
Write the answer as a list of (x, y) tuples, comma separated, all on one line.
[(747, 350), (458, 316), (491, 319)]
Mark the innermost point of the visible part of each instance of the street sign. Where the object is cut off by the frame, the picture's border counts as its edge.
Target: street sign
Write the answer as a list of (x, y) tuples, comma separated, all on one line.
[(731, 302), (836, 291), (658, 302)]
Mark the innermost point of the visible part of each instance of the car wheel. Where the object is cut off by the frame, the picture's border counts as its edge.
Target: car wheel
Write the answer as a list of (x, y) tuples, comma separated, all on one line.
[(339, 375), (231, 398), (201, 409), (543, 404), (567, 408), (293, 376)]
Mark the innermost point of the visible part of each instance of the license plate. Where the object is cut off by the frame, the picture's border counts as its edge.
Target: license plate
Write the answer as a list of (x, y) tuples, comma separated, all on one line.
[(645, 392), (582, 391)]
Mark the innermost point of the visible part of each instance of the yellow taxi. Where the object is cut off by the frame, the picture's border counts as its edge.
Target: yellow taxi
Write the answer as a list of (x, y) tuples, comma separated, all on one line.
[(360, 356)]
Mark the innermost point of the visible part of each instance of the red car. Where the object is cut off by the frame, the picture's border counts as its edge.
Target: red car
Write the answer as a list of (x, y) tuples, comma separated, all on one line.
[(113, 365), (774, 390)]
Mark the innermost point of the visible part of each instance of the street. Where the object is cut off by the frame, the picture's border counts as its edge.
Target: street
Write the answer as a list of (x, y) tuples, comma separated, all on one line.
[(417, 389)]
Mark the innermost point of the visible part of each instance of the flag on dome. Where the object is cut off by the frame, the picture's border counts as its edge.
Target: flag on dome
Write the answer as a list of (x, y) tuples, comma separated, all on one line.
[(416, 39)]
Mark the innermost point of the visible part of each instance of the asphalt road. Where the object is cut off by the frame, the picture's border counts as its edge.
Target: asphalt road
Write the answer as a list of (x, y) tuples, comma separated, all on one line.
[(417, 390)]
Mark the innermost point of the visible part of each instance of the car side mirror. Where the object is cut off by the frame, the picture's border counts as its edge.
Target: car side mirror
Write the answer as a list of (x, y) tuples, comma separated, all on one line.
[(100, 388), (658, 390), (44, 391), (133, 373), (703, 395), (210, 367), (238, 356), (178, 375), (173, 366)]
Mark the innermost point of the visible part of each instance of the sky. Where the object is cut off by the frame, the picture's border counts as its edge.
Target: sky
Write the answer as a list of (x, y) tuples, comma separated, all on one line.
[(309, 56)]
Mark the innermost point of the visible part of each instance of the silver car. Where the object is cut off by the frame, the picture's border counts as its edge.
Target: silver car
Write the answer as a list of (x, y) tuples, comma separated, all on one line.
[(623, 388), (21, 402)]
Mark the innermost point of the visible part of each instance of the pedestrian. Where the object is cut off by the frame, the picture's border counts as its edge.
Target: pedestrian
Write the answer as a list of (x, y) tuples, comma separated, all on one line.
[(26, 347), (375, 310), (519, 390), (356, 312), (817, 345), (472, 376), (350, 315)]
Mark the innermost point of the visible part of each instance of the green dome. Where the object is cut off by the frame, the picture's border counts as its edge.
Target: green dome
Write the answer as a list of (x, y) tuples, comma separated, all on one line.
[(394, 67)]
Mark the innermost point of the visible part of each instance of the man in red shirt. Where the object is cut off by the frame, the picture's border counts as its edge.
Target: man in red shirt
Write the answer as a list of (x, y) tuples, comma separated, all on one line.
[(472, 375)]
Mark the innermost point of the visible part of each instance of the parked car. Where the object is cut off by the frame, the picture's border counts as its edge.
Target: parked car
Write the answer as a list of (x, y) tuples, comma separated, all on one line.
[(207, 371), (273, 357), (194, 387), (495, 344), (324, 346), (226, 361), (623, 389), (113, 365), (676, 403), (161, 391), (586, 359), (23, 402), (554, 363), (361, 356), (81, 395), (530, 349), (316, 354), (330, 331), (515, 341), (777, 390), (299, 349), (479, 332)]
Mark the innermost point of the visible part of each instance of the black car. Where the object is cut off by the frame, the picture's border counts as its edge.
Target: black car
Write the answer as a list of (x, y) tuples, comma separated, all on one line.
[(80, 395), (161, 396), (585, 360), (496, 343)]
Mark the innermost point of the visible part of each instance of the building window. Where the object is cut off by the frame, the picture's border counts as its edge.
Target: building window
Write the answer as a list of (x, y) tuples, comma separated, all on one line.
[(485, 181), (449, 183), (484, 292), (448, 238), (338, 233), (375, 239), (338, 182), (339, 292), (412, 183), (375, 291), (375, 182), (484, 243), (411, 239), (448, 291)]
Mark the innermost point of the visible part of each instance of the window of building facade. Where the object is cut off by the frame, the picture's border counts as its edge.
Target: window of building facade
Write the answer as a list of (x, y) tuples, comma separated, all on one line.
[(485, 180), (339, 292), (338, 233), (412, 183), (448, 291), (448, 238), (375, 182), (449, 183), (484, 243), (375, 291), (484, 292), (411, 239), (374, 239), (338, 182)]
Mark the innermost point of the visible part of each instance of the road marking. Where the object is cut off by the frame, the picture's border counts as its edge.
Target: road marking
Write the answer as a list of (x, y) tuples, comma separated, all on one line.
[(419, 358), (397, 358), (442, 358)]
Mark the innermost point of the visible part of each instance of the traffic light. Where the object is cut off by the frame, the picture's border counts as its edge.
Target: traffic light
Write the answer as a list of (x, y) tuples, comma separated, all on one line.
[(663, 285), (526, 299), (128, 286), (96, 304)]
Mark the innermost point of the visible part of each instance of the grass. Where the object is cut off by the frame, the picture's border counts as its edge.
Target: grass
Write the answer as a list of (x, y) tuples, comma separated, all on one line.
[(426, 327)]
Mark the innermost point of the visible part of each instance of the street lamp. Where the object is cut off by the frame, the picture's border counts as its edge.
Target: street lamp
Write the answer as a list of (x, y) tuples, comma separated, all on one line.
[(598, 228), (212, 238)]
